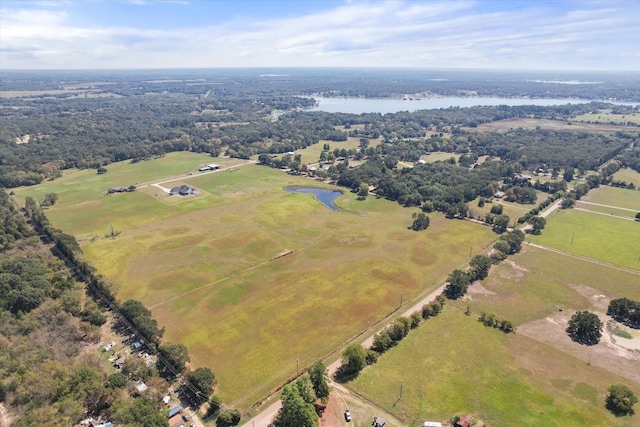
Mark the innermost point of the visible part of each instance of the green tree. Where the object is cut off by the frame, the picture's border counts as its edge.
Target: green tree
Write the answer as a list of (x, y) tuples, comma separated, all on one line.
[(496, 209), (305, 388), (457, 284), (585, 328), (50, 199), (638, 216), (568, 174), (176, 354), (117, 380), (353, 359), (480, 265), (229, 417), (620, 400), (295, 412), (363, 192), (202, 379), (538, 224), (317, 373), (420, 222), (500, 223)]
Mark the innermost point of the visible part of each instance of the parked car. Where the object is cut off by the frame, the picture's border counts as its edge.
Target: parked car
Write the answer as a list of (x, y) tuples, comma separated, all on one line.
[(185, 417), (347, 416)]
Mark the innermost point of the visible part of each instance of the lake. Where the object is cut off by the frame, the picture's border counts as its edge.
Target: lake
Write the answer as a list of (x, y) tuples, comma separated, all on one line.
[(394, 105), (326, 197)]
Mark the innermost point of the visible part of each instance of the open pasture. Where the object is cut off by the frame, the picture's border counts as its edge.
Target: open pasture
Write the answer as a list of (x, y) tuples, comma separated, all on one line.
[(607, 117), (311, 154), (252, 278), (534, 283), (512, 209), (628, 175), (601, 237), (554, 125), (452, 364), (614, 196)]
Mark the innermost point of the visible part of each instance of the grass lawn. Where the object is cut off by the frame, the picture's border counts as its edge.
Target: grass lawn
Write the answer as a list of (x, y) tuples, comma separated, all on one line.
[(209, 266), (596, 236), (453, 365), (532, 284), (614, 196)]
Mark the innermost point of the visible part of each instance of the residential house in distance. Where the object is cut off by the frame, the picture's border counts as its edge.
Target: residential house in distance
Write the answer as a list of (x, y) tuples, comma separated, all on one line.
[(183, 190)]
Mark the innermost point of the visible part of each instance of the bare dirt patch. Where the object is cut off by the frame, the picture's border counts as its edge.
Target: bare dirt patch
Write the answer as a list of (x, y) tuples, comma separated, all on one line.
[(607, 354), (477, 288), (593, 295)]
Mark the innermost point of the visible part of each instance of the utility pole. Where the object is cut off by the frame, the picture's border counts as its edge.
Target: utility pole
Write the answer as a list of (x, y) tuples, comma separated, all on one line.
[(400, 300), (401, 385), (297, 364)]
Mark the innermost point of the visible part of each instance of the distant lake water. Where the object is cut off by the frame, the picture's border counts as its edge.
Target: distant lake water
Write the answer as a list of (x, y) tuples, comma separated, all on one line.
[(326, 197), (394, 105)]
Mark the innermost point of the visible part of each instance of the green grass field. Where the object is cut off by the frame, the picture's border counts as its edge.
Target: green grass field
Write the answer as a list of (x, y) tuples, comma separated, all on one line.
[(453, 365), (514, 210), (311, 154), (613, 196), (628, 175), (596, 236), (605, 116), (532, 284), (208, 265)]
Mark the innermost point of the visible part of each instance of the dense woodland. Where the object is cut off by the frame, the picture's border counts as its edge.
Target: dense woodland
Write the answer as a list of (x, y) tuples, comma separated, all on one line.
[(90, 120), (51, 370)]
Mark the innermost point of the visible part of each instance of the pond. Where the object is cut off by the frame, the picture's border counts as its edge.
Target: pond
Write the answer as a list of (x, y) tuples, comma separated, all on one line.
[(326, 197)]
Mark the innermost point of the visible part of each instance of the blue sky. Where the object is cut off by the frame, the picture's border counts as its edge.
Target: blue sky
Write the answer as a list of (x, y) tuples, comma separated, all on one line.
[(497, 34)]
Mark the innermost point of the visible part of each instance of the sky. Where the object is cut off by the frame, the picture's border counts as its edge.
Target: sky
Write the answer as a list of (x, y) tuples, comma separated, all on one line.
[(586, 35)]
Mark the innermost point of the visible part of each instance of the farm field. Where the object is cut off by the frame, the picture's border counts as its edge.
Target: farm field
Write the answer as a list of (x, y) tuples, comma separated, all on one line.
[(453, 365), (605, 116), (532, 285), (251, 278), (613, 196), (554, 125), (628, 175), (595, 236)]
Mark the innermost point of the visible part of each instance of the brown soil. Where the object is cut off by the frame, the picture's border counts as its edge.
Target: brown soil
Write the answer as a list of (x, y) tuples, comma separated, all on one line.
[(607, 354)]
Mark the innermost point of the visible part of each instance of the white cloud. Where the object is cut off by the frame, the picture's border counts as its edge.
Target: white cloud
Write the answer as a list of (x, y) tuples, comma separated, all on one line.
[(392, 33)]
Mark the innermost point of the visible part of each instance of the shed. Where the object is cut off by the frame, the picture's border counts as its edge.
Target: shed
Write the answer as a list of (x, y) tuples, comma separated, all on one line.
[(174, 411), (182, 190), (465, 421), (499, 194), (379, 422), (141, 387), (119, 363)]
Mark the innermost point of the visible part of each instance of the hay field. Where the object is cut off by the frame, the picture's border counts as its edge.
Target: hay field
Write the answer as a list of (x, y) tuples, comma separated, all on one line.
[(554, 125), (613, 196), (209, 266), (601, 237), (534, 283), (628, 175), (452, 364)]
